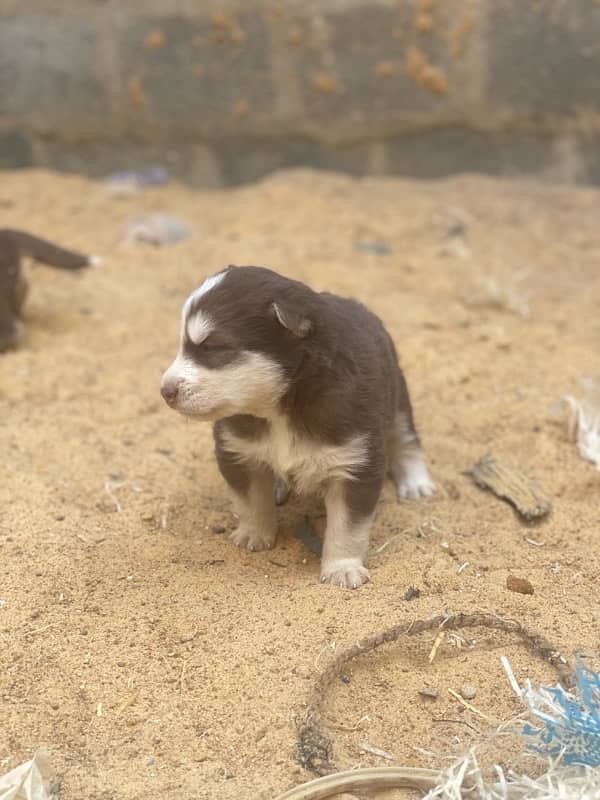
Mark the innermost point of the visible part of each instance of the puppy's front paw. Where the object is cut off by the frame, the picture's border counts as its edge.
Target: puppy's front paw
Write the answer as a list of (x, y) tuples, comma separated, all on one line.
[(348, 573), (251, 539)]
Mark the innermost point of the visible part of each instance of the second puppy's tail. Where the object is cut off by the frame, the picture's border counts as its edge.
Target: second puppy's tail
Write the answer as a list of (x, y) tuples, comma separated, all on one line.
[(48, 253)]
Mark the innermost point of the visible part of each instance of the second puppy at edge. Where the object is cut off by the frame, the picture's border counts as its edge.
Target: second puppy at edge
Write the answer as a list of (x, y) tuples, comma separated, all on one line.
[(302, 387)]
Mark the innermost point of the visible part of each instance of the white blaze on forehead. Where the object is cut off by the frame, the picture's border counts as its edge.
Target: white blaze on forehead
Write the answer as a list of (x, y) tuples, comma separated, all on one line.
[(209, 284), (199, 325), (204, 288)]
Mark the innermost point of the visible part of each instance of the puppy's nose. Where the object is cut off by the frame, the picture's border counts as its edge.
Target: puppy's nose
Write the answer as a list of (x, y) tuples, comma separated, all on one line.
[(169, 391)]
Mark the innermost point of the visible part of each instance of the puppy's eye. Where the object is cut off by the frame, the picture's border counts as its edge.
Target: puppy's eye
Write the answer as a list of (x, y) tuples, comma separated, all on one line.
[(215, 341)]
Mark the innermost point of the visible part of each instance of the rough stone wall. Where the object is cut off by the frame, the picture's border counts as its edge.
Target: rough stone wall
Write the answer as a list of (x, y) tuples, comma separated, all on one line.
[(223, 92)]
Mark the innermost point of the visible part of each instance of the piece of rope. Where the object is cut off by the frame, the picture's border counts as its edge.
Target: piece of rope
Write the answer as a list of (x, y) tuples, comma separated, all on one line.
[(314, 749)]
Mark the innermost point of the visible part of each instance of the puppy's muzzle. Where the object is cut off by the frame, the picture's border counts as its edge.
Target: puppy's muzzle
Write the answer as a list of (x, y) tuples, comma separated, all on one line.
[(169, 390)]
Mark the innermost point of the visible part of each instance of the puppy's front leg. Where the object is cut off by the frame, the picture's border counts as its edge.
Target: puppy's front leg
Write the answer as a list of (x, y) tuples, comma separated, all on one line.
[(253, 500), (350, 508), (256, 509)]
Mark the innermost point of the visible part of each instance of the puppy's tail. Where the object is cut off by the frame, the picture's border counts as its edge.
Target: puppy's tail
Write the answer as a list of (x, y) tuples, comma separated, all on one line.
[(48, 253)]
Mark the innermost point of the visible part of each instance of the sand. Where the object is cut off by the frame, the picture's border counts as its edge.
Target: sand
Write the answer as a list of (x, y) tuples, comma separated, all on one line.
[(148, 654)]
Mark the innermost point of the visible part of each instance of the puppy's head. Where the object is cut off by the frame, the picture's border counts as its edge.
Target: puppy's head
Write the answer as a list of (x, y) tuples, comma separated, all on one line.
[(242, 337)]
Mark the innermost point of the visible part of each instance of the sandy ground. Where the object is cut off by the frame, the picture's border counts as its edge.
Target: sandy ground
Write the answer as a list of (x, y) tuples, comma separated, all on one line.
[(147, 653)]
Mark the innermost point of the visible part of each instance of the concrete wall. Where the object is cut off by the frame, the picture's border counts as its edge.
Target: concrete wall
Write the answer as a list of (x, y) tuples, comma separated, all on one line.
[(223, 92)]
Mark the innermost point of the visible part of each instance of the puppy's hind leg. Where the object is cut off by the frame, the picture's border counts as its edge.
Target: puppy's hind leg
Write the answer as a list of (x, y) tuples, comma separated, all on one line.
[(407, 465), (253, 497)]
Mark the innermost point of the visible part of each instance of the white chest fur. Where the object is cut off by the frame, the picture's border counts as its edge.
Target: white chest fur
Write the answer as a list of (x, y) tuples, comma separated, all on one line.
[(307, 463)]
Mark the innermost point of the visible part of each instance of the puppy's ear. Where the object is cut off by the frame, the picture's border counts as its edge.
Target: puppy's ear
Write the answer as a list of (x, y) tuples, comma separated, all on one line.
[(293, 321)]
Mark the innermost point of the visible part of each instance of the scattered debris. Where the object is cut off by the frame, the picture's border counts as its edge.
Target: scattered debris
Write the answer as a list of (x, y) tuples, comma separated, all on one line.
[(130, 181), (382, 547), (412, 593), (218, 528), (164, 516), (452, 490), (306, 534), (584, 428), (465, 722), (464, 778), (110, 487), (429, 691), (467, 691), (457, 228), (448, 548), (567, 722), (512, 485), (364, 747), (501, 293), (127, 702), (374, 247), (520, 585), (29, 781), (156, 230), (438, 640), (464, 703)]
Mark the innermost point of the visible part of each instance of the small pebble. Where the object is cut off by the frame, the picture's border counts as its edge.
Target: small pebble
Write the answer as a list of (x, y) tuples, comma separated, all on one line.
[(260, 734), (467, 691), (149, 762), (218, 528), (521, 585), (346, 678), (411, 593), (429, 691)]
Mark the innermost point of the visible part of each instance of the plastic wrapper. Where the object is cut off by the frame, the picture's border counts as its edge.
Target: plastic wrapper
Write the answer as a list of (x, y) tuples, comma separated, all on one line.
[(29, 781)]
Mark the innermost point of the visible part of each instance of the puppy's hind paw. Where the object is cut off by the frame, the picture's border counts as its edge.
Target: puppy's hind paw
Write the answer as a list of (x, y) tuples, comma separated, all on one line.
[(409, 489), (413, 480), (347, 573)]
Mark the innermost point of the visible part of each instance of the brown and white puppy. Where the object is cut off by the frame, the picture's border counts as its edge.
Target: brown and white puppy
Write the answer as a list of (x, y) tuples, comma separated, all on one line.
[(303, 387), (13, 284)]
